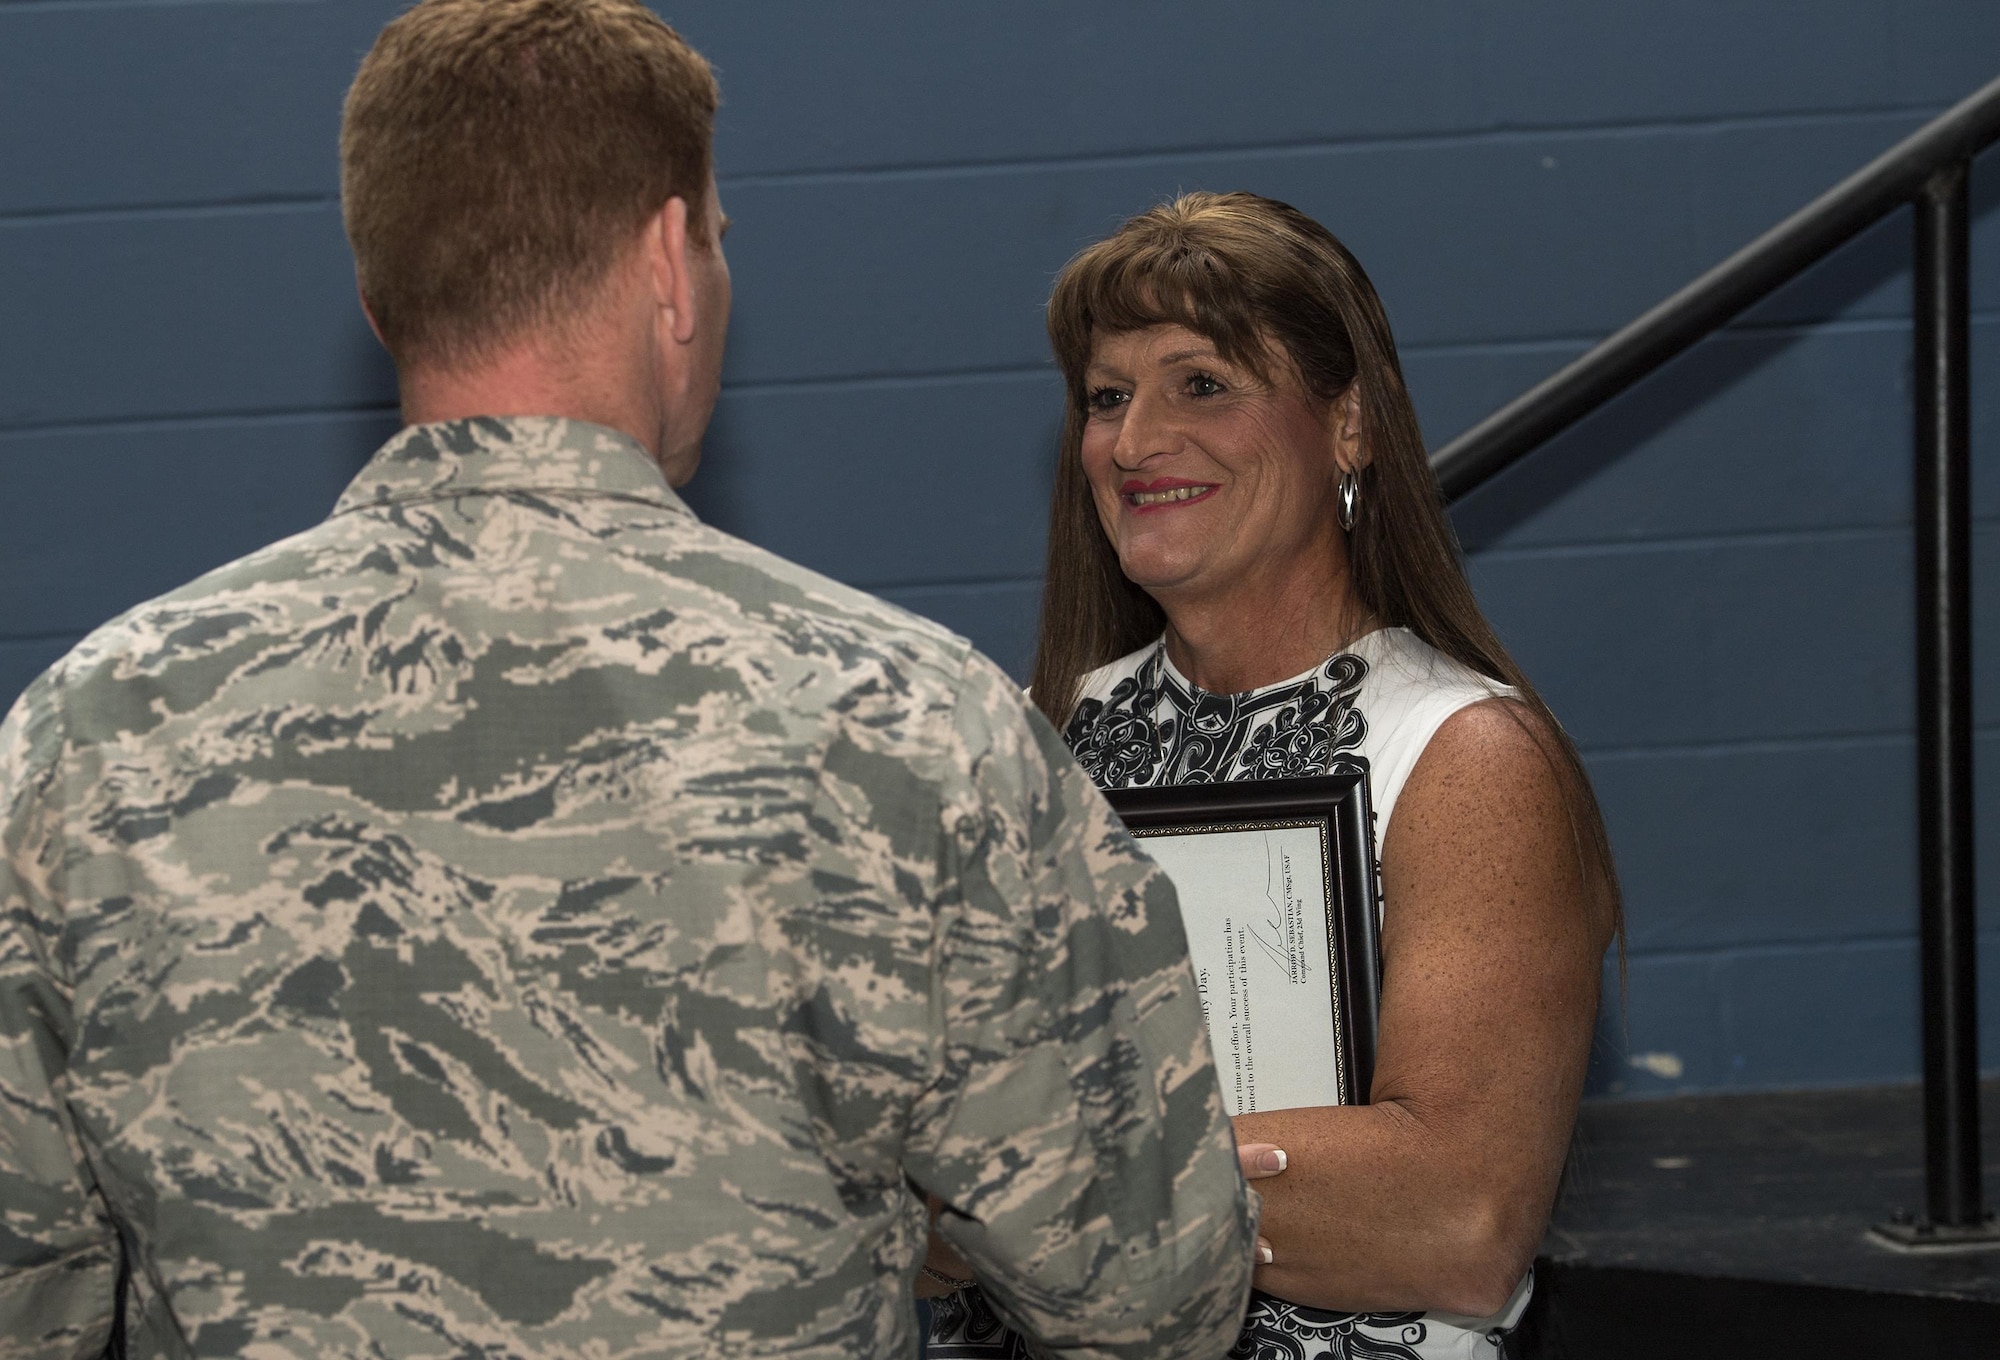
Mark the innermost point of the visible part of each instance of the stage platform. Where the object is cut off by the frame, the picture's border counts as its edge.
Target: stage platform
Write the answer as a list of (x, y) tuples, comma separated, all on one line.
[(1737, 1226)]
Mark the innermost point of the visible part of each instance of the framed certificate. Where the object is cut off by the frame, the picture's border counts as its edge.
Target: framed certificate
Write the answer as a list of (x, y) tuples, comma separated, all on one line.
[(1277, 886)]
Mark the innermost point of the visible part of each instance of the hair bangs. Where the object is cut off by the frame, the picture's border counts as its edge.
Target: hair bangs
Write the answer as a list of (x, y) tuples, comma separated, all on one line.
[(1154, 278)]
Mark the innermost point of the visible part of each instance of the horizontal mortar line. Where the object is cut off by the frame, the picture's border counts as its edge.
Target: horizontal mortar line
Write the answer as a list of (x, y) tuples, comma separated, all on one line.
[(1615, 547), (1514, 344), (98, 6), (761, 387), (1520, 133), (27, 638), (1625, 547), (1804, 116), (919, 169), (945, 376), (1506, 344), (1618, 1094), (944, 583), (273, 416), (1854, 325), (1810, 741), (1768, 947), (1772, 538), (1583, 547), (248, 205), (198, 207), (934, 377), (1735, 330)]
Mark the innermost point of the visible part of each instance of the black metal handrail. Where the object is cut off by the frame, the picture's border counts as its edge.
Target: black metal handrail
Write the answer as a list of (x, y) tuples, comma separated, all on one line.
[(1774, 259), (1930, 170)]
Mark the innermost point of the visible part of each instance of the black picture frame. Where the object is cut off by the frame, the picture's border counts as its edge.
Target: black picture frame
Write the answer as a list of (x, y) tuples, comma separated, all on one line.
[(1338, 803)]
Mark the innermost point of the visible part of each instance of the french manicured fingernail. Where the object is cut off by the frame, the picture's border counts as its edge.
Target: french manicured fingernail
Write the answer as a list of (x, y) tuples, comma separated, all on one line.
[(1263, 1252), (1273, 1161)]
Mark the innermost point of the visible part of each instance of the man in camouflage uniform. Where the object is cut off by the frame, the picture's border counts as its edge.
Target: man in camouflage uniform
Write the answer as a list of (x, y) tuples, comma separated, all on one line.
[(515, 919)]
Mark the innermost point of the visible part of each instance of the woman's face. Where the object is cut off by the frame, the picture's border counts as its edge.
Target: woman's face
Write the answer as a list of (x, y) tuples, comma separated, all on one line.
[(1208, 480)]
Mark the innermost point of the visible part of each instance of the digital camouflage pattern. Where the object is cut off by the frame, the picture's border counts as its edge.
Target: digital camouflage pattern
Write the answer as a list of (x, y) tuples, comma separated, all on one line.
[(514, 919)]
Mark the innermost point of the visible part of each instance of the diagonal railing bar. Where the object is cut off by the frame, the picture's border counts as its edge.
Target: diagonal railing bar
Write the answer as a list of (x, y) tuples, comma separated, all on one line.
[(1711, 301), (1929, 170)]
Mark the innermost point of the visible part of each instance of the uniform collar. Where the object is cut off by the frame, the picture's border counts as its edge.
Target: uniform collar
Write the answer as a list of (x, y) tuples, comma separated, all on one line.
[(493, 454)]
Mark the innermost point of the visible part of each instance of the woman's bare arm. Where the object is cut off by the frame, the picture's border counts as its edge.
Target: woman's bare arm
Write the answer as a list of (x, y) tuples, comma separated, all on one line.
[(1434, 1196)]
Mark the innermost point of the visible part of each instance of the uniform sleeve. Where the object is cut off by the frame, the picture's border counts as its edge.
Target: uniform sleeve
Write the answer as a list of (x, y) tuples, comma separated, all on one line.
[(1076, 1131), (59, 1255)]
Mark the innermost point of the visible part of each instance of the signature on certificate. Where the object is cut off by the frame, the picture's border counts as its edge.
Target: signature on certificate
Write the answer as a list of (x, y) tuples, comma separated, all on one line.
[(1280, 932)]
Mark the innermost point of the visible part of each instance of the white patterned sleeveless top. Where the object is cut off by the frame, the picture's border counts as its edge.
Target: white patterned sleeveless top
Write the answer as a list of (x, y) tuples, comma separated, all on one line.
[(1376, 705)]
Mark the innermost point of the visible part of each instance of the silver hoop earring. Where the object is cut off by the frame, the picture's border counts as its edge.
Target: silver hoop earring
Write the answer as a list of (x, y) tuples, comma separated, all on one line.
[(1350, 501)]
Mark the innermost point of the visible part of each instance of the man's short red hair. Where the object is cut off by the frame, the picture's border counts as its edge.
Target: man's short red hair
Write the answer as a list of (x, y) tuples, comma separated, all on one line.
[(497, 154)]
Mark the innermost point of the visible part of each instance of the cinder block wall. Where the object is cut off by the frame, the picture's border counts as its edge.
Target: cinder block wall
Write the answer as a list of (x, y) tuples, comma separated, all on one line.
[(1711, 579)]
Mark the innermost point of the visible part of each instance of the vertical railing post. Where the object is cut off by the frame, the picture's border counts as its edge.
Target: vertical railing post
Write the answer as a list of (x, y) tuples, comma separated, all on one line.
[(1955, 1197)]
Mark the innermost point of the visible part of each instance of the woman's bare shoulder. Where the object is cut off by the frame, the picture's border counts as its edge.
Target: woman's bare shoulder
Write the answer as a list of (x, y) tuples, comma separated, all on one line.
[(1500, 739), (1486, 825)]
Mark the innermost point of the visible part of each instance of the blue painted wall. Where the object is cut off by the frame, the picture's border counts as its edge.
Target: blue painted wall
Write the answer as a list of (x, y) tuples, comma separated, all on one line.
[(1710, 579)]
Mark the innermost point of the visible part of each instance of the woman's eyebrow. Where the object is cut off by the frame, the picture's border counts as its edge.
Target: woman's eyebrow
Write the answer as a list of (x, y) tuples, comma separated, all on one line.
[(1183, 355)]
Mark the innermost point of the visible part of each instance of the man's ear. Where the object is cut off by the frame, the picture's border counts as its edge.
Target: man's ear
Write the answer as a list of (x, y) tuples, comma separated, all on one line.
[(368, 311), (1350, 450), (666, 246)]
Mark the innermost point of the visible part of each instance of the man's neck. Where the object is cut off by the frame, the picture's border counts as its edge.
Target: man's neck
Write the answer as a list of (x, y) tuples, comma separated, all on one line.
[(529, 381)]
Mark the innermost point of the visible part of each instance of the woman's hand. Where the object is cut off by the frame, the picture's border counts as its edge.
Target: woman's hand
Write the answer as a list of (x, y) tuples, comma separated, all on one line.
[(1261, 1161)]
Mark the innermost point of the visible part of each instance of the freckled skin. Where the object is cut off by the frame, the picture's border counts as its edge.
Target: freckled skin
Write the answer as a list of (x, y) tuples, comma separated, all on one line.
[(1435, 1195)]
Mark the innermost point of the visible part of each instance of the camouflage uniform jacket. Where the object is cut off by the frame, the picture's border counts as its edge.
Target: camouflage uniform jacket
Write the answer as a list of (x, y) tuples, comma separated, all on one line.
[(512, 918)]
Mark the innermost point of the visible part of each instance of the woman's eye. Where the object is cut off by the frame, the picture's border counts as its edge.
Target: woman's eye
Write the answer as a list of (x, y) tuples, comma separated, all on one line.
[(1103, 399), (1202, 385)]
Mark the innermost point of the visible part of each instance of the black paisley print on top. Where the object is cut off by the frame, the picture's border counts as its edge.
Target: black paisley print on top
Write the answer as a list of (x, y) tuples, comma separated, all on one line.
[(1154, 729), (965, 1327), (1274, 1329)]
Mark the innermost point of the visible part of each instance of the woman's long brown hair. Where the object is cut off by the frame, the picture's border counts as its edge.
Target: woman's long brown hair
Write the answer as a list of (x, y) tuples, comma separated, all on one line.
[(1265, 283)]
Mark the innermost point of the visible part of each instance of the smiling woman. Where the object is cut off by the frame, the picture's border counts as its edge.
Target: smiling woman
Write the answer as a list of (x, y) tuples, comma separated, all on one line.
[(1251, 576), (1210, 481)]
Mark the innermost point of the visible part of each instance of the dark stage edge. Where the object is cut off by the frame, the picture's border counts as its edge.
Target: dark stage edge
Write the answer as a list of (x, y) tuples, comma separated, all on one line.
[(1725, 1226)]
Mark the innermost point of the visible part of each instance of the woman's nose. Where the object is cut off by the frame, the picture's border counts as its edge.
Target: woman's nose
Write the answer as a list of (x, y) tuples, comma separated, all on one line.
[(1141, 435)]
